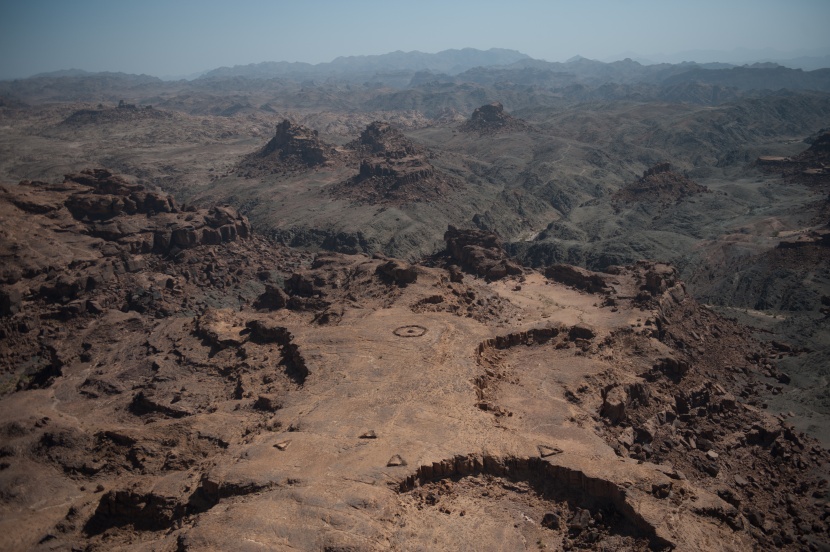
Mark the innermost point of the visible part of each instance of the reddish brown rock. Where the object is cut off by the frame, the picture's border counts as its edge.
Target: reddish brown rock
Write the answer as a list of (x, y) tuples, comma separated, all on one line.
[(480, 253), (577, 277), (397, 272), (292, 147)]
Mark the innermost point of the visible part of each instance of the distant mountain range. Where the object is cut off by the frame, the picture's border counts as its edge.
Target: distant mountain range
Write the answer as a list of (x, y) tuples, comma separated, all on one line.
[(808, 60), (398, 65), (451, 62), (393, 80), (407, 69)]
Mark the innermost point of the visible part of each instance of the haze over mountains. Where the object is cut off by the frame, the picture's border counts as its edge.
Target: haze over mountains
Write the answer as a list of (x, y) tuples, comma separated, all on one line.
[(432, 82), (807, 59), (455, 61)]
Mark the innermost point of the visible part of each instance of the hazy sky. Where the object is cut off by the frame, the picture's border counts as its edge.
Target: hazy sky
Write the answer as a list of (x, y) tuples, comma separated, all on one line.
[(180, 37)]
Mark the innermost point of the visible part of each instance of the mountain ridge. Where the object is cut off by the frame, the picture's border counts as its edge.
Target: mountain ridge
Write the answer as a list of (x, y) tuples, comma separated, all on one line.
[(452, 61)]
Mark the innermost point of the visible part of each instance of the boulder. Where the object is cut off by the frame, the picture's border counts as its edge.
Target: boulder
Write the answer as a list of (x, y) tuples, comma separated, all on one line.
[(480, 253), (301, 285), (397, 272), (614, 403), (658, 277), (11, 301), (577, 277), (582, 331), (273, 298), (268, 402)]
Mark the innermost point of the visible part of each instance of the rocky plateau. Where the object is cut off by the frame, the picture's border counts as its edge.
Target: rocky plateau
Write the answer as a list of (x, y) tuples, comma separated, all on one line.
[(175, 381)]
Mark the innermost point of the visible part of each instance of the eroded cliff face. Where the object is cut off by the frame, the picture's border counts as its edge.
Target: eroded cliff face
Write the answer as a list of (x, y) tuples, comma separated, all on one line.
[(173, 380)]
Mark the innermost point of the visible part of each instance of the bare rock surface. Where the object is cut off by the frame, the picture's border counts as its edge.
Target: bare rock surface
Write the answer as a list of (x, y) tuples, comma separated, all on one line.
[(231, 393)]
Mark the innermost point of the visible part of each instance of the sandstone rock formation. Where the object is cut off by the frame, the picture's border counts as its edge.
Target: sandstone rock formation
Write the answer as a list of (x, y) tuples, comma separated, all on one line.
[(69, 239), (577, 277), (118, 217), (480, 253), (293, 147), (397, 272), (392, 169), (492, 119)]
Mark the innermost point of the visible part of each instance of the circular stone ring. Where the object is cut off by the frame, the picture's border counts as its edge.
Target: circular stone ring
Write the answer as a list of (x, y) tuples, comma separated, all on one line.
[(410, 331)]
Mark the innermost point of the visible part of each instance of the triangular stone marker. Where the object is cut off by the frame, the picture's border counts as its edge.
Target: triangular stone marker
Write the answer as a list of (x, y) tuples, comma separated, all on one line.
[(545, 450), (369, 435), (396, 461), (283, 445)]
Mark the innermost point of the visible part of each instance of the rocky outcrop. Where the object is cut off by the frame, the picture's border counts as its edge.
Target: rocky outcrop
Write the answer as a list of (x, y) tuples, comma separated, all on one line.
[(297, 142), (105, 195), (292, 147), (535, 336), (492, 119), (273, 298), (577, 277), (658, 284), (397, 272), (265, 331), (400, 171), (479, 253), (383, 139), (392, 169), (659, 184), (143, 221), (302, 292), (585, 505), (658, 277), (74, 238)]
